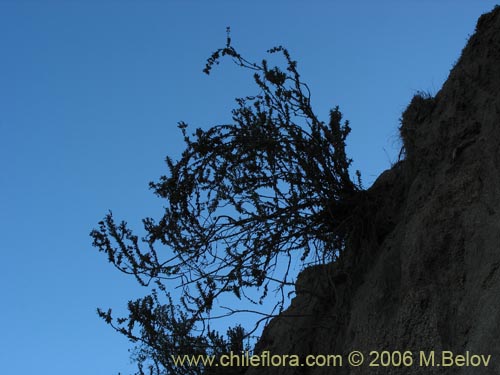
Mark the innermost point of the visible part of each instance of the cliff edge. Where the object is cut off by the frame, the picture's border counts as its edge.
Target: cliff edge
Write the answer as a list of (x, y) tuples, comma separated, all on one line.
[(427, 275)]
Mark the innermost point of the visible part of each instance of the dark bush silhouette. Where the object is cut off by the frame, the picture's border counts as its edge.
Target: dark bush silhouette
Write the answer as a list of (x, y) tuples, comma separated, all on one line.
[(243, 201)]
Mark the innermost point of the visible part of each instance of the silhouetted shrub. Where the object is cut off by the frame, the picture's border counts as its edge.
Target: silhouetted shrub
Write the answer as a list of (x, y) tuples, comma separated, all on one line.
[(243, 201)]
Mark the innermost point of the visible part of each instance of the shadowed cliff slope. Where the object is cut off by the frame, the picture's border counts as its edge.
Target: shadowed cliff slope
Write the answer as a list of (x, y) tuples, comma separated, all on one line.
[(426, 276)]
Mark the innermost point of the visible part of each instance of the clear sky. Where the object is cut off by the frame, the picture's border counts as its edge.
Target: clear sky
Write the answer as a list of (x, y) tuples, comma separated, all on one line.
[(90, 96)]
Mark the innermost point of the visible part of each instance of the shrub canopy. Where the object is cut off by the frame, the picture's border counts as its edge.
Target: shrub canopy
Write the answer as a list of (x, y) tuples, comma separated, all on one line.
[(242, 202)]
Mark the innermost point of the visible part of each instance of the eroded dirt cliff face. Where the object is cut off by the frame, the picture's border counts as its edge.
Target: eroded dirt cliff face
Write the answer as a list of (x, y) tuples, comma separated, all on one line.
[(429, 278)]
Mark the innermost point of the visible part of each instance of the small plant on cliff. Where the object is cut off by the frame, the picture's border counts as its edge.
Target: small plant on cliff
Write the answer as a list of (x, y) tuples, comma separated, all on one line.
[(420, 107), (242, 202)]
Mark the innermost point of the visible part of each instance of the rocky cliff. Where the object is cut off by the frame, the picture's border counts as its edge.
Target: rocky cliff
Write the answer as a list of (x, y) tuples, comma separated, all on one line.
[(427, 278)]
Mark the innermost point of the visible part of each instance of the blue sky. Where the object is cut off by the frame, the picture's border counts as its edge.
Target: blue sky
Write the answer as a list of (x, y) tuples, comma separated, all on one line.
[(90, 95)]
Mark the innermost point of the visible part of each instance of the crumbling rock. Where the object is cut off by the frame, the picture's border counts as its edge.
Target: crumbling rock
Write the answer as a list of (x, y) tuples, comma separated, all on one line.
[(430, 278)]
